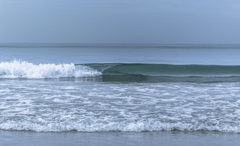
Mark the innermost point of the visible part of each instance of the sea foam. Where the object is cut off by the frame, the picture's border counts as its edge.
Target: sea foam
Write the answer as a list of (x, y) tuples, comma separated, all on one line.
[(46, 106), (23, 69), (91, 126)]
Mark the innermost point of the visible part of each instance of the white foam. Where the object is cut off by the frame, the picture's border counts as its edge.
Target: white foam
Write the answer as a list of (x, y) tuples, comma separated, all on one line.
[(23, 69), (40, 125)]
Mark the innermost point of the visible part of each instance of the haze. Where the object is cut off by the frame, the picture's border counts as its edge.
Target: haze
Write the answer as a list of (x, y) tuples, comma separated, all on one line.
[(120, 21)]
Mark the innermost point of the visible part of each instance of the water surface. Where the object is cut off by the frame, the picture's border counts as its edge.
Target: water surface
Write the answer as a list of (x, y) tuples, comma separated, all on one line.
[(132, 90)]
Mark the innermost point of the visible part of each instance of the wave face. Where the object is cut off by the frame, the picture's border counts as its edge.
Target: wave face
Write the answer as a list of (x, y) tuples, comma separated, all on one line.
[(23, 69)]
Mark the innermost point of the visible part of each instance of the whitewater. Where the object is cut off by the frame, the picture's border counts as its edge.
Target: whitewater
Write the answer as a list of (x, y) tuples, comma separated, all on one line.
[(23, 69), (86, 106)]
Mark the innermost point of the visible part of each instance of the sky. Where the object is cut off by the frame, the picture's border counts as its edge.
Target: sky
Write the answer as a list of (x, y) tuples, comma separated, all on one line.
[(120, 21)]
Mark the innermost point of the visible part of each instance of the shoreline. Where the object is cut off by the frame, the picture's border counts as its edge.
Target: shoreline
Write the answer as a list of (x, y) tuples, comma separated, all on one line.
[(74, 138)]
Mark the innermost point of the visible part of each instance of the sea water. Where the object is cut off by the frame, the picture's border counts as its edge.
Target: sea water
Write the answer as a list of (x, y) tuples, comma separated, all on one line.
[(119, 88)]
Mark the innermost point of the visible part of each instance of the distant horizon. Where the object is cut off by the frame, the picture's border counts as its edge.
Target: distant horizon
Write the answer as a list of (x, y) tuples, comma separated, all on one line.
[(131, 43)]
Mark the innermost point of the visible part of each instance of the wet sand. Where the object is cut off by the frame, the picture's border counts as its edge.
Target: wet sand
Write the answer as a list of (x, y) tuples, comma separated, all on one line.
[(172, 138)]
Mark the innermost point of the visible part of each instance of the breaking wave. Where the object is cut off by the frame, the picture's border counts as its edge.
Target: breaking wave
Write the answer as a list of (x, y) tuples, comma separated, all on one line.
[(23, 69)]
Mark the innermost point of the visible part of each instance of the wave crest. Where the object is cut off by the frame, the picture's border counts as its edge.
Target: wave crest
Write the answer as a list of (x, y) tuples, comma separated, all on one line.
[(23, 69)]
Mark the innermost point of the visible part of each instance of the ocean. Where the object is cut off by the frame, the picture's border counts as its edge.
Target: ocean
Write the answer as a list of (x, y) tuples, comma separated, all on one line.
[(133, 94)]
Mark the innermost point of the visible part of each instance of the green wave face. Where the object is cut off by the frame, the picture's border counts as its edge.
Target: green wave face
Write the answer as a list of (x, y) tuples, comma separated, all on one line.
[(166, 70)]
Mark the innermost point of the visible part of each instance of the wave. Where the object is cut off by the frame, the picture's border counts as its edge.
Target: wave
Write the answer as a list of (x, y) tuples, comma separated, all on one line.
[(23, 69)]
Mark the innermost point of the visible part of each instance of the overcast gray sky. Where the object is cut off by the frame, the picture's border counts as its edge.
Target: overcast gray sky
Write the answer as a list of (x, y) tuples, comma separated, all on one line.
[(120, 21)]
